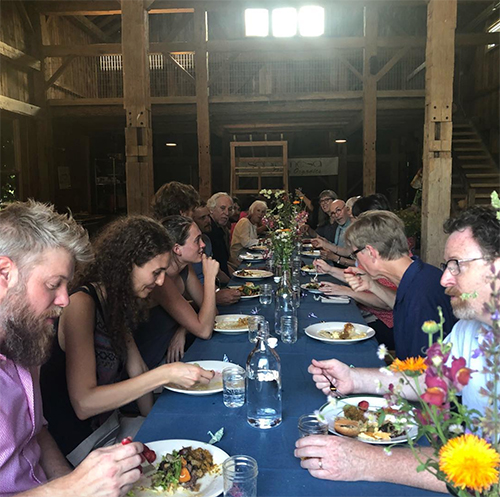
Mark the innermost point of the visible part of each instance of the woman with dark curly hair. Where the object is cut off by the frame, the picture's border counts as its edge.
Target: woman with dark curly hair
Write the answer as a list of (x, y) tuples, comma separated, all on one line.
[(96, 367), (180, 279)]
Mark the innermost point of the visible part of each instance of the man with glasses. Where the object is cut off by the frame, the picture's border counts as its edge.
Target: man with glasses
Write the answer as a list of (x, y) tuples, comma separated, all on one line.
[(472, 256), (220, 206), (380, 246)]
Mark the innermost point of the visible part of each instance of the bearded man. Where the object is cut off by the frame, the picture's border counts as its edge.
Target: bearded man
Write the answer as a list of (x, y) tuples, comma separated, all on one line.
[(38, 250)]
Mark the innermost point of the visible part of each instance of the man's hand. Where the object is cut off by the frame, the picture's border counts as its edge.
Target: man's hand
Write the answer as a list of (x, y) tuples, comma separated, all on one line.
[(358, 280), (328, 255), (227, 296), (326, 373), (321, 266), (333, 289)]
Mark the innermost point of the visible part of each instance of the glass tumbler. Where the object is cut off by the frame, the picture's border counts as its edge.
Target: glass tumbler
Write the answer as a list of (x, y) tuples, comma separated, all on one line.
[(253, 327), (233, 386), (289, 329), (309, 424), (266, 294), (240, 476)]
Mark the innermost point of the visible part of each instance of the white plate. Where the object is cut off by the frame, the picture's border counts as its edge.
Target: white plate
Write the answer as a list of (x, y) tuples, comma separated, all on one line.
[(311, 253), (210, 485), (230, 318), (307, 270), (244, 296), (307, 246), (313, 332), (331, 412), (215, 385), (254, 274), (310, 290), (251, 257)]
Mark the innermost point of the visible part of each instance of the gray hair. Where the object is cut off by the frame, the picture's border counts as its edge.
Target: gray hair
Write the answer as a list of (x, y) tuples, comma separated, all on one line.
[(27, 229), (257, 203), (382, 230), (212, 201)]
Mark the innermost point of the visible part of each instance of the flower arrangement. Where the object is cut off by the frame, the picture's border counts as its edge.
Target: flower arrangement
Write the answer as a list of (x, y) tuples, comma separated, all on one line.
[(285, 219), (465, 444)]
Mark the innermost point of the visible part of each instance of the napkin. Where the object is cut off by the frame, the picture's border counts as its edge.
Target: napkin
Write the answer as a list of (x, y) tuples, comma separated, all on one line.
[(335, 300)]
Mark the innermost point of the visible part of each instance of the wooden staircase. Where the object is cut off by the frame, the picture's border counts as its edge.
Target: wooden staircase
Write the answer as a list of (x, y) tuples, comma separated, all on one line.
[(475, 172)]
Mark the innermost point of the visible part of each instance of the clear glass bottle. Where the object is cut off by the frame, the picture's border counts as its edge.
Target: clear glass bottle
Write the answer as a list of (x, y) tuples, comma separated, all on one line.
[(285, 305), (263, 381)]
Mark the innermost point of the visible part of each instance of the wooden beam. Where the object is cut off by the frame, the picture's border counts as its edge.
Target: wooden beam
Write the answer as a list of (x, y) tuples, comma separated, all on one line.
[(90, 28), (438, 127), (19, 58), (369, 99), (137, 103), (202, 106), (25, 16), (392, 62), (482, 16), (102, 7), (106, 20), (82, 50), (58, 73), (18, 107), (346, 63), (169, 58), (420, 68)]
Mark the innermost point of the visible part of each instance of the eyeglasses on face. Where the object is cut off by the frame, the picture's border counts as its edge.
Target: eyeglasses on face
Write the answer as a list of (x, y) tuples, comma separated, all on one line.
[(326, 201), (338, 210), (354, 254), (453, 265)]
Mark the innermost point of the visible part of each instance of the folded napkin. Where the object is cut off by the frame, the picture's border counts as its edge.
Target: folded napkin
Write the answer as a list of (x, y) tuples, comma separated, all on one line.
[(335, 300)]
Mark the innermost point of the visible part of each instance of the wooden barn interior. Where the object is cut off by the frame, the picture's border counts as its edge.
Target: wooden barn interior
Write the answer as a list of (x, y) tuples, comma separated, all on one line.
[(103, 101)]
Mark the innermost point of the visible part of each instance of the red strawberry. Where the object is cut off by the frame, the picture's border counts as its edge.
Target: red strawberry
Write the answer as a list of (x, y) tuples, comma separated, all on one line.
[(149, 454), (363, 405), (127, 441)]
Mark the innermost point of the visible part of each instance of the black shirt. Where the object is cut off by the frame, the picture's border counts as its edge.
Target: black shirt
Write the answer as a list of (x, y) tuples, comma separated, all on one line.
[(220, 245)]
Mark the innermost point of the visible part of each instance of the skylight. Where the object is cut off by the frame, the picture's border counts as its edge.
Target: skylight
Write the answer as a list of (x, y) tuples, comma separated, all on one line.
[(256, 22), (284, 22), (311, 21)]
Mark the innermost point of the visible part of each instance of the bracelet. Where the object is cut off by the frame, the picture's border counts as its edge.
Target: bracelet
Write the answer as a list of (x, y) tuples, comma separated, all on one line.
[(338, 260)]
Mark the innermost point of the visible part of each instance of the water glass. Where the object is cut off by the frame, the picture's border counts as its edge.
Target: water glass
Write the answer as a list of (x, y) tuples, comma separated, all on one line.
[(253, 327), (309, 424), (233, 386), (266, 294), (240, 476), (289, 329)]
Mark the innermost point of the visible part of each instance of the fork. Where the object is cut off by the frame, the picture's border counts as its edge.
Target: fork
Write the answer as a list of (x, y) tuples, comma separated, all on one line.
[(334, 390)]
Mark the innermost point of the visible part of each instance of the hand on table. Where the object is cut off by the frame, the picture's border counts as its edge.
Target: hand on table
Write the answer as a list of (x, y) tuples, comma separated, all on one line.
[(210, 267), (333, 289), (358, 279), (339, 374), (106, 472), (188, 375), (227, 296), (333, 458), (175, 351)]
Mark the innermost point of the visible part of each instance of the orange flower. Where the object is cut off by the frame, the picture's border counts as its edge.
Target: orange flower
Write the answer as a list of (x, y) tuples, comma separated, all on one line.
[(296, 202), (410, 365)]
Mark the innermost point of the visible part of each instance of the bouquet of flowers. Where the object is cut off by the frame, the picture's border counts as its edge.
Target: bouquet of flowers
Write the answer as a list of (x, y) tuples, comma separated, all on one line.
[(285, 219), (465, 444)]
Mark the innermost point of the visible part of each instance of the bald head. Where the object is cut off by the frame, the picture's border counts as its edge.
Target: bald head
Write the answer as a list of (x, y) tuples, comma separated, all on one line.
[(339, 212)]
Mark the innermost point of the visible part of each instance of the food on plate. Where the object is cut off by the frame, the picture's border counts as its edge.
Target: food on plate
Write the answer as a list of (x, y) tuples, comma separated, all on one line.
[(312, 285), (249, 289), (183, 468), (232, 324), (244, 272), (348, 333), (367, 424), (308, 267)]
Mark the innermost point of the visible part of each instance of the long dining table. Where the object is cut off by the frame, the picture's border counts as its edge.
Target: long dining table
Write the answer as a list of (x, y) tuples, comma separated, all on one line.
[(181, 416)]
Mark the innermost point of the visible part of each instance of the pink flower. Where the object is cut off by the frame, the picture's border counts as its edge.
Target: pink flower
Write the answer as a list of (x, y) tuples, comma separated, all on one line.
[(436, 392), (458, 373), (435, 355)]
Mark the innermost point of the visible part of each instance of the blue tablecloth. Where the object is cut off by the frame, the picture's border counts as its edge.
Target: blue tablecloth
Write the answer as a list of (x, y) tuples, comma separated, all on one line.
[(280, 475)]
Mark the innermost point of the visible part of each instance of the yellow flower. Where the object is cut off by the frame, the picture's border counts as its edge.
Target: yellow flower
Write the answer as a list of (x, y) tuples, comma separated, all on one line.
[(410, 365), (469, 462)]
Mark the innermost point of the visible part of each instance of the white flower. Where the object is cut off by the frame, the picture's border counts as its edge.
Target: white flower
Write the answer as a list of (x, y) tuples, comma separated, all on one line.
[(386, 371), (388, 451), (382, 351), (437, 361), (457, 429), (280, 206)]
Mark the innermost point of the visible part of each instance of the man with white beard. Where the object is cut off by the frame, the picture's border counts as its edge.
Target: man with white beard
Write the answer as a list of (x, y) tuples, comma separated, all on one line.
[(38, 251)]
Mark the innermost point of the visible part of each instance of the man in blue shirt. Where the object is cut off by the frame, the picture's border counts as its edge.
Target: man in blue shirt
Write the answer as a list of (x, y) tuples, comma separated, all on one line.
[(379, 243)]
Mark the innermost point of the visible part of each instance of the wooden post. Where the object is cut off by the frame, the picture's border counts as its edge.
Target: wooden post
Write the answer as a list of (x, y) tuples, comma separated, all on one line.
[(438, 127), (202, 111), (370, 98), (137, 103)]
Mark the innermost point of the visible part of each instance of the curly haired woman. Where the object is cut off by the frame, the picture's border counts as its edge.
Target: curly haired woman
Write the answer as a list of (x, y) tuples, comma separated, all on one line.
[(96, 367)]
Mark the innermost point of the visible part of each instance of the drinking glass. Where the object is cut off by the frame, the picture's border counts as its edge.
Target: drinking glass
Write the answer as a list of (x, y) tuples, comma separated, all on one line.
[(233, 386), (266, 294), (253, 327), (289, 329), (240, 476), (309, 424)]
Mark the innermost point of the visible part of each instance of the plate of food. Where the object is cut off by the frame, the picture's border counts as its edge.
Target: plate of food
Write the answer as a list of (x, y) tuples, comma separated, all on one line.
[(248, 291), (369, 419), (307, 246), (261, 248), (251, 257), (215, 384), (184, 468), (308, 268), (311, 253), (252, 274), (312, 287), (339, 333), (231, 323)]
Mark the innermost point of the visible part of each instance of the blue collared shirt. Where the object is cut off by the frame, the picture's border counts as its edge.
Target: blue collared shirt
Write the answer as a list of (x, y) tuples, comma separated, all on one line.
[(418, 296)]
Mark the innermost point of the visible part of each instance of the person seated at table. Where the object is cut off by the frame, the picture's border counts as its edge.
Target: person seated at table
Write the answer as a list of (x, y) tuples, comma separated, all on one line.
[(245, 234), (38, 252), (174, 198), (83, 383), (472, 249), (325, 224), (220, 206), (171, 310), (349, 203)]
